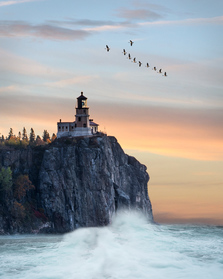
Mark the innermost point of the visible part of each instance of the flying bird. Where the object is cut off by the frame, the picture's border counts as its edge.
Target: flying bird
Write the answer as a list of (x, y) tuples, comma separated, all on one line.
[(124, 52), (154, 68), (147, 65), (165, 75), (107, 48), (140, 63), (131, 42), (134, 60), (160, 71), (129, 56)]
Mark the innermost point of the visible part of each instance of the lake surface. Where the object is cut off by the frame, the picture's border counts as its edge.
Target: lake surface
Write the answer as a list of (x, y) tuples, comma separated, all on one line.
[(129, 248)]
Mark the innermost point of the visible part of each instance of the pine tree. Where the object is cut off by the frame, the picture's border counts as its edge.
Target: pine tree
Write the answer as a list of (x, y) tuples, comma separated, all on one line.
[(19, 135), (24, 134), (32, 135), (39, 141), (5, 179), (10, 133), (46, 136), (38, 137)]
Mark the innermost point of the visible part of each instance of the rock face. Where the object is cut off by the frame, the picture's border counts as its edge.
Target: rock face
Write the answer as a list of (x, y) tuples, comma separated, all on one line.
[(79, 183)]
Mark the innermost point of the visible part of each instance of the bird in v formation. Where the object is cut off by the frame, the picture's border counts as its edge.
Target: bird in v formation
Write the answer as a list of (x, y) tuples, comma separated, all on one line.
[(134, 59)]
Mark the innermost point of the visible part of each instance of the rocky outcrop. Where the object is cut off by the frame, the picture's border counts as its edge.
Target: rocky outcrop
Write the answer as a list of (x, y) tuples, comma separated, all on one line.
[(78, 183)]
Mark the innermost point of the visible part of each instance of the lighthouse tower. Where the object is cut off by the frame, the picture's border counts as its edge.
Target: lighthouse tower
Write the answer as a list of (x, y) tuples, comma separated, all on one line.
[(82, 126)]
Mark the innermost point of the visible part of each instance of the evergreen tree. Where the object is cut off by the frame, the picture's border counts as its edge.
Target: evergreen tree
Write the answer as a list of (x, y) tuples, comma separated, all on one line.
[(39, 141), (32, 135), (5, 179), (10, 133), (19, 135), (38, 137), (24, 134), (46, 136)]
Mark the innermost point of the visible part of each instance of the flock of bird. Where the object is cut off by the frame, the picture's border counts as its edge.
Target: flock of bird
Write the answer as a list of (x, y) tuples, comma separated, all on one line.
[(134, 59)]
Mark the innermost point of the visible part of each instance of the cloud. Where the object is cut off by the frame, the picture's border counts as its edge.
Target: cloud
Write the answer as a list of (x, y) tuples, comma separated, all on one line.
[(186, 133), (6, 89), (84, 22), (138, 14), (108, 27), (94, 25), (72, 81), (13, 64), (9, 3), (64, 31), (190, 21), (148, 5), (45, 31), (16, 69), (32, 110)]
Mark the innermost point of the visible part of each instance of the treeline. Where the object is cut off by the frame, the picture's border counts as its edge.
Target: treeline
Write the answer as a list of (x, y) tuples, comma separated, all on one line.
[(24, 139)]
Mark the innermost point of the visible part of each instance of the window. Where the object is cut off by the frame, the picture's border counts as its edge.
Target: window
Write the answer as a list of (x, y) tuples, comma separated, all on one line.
[(59, 128), (79, 118), (66, 127), (84, 103), (84, 125)]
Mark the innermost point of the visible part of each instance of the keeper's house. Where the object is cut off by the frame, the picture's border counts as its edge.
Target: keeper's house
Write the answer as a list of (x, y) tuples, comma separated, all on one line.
[(82, 126)]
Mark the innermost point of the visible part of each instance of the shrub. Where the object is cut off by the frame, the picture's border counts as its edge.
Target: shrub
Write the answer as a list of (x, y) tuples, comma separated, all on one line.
[(22, 184)]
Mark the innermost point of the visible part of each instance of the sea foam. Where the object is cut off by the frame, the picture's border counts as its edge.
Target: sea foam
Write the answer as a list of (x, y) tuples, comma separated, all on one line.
[(129, 248)]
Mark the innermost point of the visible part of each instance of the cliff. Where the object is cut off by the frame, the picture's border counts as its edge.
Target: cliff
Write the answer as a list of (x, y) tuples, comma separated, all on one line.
[(78, 183)]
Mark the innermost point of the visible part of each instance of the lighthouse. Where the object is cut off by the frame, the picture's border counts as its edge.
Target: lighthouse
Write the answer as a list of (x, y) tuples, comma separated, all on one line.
[(82, 126)]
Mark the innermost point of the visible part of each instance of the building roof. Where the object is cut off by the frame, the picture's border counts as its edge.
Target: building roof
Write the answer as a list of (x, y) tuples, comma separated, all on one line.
[(93, 123), (66, 123), (82, 97)]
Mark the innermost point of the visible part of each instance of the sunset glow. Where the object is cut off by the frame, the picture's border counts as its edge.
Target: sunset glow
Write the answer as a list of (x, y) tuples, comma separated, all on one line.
[(50, 51)]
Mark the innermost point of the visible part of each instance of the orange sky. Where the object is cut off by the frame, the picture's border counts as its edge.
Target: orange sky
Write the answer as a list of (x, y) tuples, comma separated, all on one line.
[(184, 190), (178, 132), (182, 149)]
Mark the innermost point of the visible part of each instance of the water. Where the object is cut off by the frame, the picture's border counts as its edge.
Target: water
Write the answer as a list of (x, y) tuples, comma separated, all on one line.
[(129, 248)]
